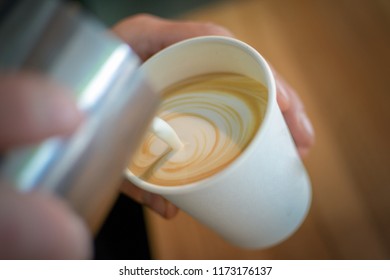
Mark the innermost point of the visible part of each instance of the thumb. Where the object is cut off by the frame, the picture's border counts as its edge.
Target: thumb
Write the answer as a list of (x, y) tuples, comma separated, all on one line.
[(33, 108)]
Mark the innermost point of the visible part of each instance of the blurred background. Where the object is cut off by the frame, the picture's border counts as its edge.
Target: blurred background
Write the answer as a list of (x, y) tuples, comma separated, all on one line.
[(336, 54)]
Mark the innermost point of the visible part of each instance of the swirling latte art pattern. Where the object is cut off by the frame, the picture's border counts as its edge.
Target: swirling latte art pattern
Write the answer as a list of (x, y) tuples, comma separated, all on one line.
[(215, 116)]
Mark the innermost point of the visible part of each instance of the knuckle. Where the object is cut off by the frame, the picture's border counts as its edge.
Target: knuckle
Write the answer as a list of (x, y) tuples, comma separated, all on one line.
[(215, 29)]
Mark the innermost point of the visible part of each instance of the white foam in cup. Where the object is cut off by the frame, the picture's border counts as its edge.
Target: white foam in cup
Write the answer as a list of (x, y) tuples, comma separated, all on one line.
[(166, 133), (263, 196)]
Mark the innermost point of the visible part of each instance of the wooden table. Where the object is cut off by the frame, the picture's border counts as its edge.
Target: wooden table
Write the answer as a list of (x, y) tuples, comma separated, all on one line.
[(337, 56)]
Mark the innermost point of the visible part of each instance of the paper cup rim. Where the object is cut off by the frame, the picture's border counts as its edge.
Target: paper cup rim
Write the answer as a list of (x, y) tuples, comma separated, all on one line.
[(271, 86)]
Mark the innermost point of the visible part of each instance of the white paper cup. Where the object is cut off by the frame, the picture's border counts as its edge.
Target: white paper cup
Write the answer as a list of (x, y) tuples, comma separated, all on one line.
[(264, 195)]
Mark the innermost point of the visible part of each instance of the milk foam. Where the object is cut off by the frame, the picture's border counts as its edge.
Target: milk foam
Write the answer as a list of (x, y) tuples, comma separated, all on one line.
[(215, 117), (166, 133)]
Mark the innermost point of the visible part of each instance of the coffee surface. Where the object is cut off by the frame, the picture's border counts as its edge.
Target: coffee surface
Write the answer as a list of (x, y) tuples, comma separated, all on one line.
[(215, 116)]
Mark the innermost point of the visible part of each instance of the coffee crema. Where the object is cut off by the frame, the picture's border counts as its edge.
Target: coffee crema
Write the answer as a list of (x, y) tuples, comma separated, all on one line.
[(215, 116)]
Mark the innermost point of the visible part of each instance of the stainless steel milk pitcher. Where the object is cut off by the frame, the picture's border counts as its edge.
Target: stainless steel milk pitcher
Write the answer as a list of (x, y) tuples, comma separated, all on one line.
[(72, 48)]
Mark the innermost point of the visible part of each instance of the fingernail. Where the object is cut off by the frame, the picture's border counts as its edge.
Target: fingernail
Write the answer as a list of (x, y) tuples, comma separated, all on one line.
[(155, 202), (282, 96), (171, 210), (305, 124), (159, 205), (303, 152)]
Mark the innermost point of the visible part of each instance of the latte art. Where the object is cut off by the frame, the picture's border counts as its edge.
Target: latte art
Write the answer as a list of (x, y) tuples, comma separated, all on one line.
[(215, 117)]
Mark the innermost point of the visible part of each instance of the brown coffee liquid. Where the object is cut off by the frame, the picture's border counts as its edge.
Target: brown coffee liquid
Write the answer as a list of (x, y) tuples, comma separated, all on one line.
[(215, 115)]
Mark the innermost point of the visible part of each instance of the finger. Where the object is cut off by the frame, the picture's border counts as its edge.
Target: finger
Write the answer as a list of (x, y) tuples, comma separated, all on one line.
[(36, 226), (155, 202), (33, 108), (282, 94), (295, 116), (148, 34)]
